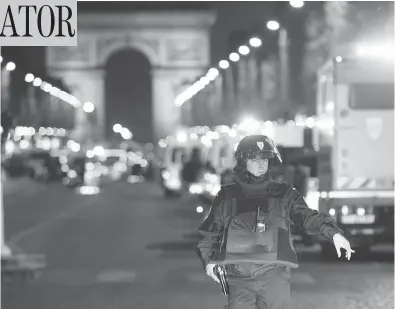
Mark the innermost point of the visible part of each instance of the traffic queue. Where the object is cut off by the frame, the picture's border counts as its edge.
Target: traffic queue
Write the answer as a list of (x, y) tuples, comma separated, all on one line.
[(51, 155)]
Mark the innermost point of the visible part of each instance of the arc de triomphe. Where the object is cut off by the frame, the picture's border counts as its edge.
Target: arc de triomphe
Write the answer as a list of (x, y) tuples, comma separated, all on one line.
[(176, 44)]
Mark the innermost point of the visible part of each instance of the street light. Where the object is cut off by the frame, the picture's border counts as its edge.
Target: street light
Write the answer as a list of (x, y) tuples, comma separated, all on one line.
[(223, 64), (10, 66), (296, 3), (273, 25), (283, 57), (179, 101), (205, 81), (29, 77), (88, 107), (255, 42), (54, 91), (74, 102), (117, 128), (244, 50), (212, 74), (234, 57), (47, 87), (37, 81), (126, 134)]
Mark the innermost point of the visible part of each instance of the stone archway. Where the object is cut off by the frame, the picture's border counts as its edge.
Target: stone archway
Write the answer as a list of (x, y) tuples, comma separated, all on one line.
[(128, 94), (176, 44)]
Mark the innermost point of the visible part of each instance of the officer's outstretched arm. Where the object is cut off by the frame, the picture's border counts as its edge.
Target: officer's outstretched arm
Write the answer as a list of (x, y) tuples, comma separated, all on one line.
[(210, 230), (309, 219)]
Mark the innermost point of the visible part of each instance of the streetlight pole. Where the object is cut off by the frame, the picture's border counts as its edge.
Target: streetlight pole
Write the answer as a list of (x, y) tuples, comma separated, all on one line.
[(283, 60), (284, 64), (283, 47)]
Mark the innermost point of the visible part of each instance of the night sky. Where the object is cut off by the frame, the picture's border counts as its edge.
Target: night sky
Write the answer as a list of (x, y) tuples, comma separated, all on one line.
[(127, 83)]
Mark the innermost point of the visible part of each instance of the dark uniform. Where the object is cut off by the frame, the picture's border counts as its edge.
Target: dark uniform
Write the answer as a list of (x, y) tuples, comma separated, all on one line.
[(248, 230)]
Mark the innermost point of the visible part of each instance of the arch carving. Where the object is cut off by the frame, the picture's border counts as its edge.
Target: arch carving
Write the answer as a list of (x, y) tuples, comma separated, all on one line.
[(106, 46)]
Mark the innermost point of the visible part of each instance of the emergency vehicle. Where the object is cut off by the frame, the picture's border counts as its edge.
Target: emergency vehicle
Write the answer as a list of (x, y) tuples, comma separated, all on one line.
[(355, 133)]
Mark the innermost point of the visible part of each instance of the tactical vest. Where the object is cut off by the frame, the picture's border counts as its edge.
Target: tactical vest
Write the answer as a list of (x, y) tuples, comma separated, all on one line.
[(256, 230)]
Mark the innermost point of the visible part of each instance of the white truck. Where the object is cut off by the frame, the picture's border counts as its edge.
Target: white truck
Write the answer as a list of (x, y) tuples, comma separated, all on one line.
[(355, 131)]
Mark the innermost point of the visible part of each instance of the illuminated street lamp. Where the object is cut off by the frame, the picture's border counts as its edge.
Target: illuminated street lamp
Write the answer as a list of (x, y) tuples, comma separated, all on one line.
[(255, 42), (37, 81), (212, 74), (47, 87), (244, 50), (126, 134), (205, 81), (55, 91), (273, 25), (179, 101), (234, 57), (296, 3), (88, 107), (283, 57), (29, 77), (10, 66), (117, 128), (223, 64)]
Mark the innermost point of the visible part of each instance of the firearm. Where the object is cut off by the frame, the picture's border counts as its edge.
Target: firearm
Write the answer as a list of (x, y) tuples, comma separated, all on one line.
[(220, 272)]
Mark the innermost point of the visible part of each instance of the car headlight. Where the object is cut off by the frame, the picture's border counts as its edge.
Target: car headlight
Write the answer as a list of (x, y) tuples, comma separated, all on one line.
[(71, 174), (173, 183), (361, 211), (212, 178), (165, 175), (196, 188)]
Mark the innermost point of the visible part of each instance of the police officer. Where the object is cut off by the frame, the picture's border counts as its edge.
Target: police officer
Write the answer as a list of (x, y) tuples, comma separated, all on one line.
[(248, 230)]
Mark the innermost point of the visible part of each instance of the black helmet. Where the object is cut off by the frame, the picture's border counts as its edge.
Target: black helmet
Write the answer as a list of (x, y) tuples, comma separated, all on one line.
[(256, 146)]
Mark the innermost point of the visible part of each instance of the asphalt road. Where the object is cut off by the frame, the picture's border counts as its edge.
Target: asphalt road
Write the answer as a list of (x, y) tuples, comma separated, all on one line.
[(129, 247)]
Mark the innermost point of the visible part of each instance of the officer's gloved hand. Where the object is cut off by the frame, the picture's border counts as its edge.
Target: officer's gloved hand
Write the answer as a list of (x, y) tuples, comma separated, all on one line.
[(210, 272), (341, 242)]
